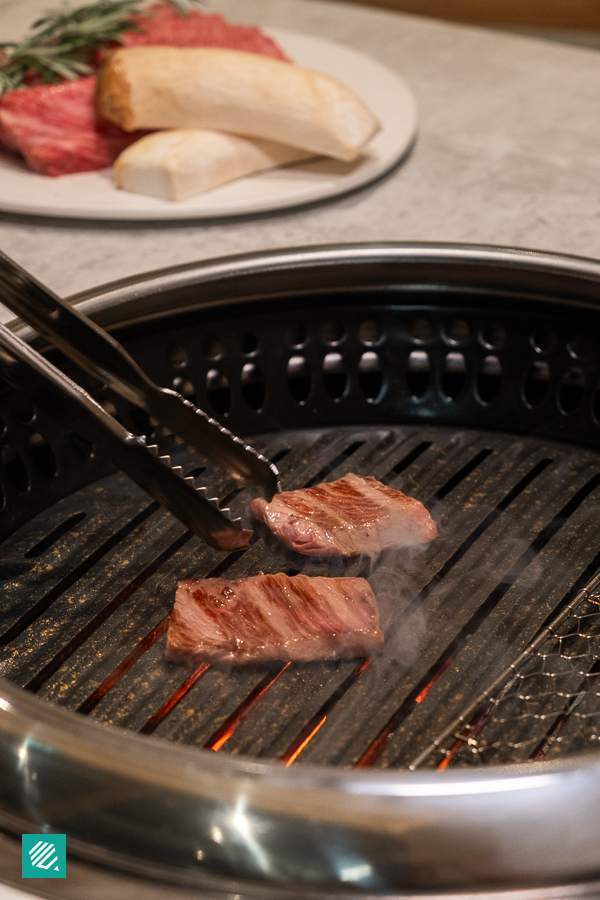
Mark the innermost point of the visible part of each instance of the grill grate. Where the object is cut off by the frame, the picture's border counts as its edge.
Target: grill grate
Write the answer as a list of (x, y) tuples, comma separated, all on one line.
[(90, 583)]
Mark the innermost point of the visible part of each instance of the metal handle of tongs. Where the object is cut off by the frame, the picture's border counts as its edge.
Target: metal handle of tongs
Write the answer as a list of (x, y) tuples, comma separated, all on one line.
[(66, 402), (100, 354)]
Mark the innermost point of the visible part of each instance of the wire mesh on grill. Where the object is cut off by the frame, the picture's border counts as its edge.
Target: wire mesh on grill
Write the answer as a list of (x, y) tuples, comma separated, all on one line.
[(550, 703)]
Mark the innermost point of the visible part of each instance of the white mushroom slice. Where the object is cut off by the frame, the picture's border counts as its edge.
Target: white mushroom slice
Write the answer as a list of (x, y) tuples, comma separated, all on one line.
[(183, 162), (228, 90)]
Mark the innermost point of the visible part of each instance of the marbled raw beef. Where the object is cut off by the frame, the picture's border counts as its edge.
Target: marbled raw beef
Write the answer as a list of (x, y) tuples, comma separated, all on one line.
[(56, 127), (57, 130), (346, 517), (267, 617), (198, 29)]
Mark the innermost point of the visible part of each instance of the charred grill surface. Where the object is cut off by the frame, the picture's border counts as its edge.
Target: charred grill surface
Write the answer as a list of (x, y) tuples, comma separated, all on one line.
[(88, 585)]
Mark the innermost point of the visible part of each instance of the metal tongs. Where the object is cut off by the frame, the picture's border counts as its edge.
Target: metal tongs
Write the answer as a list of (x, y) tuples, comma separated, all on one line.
[(101, 355)]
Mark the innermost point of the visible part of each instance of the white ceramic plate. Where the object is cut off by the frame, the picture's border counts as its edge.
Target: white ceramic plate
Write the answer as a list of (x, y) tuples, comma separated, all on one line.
[(91, 195)]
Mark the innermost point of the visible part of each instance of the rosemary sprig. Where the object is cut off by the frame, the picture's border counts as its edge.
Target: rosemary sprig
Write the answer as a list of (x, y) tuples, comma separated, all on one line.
[(64, 39)]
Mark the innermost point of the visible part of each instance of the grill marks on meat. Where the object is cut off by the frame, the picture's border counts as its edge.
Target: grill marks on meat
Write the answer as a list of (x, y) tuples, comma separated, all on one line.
[(299, 618), (346, 517), (273, 617), (57, 128)]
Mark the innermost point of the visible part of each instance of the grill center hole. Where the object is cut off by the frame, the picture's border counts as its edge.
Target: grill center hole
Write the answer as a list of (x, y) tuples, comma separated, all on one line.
[(335, 378), (217, 389), (489, 379), (253, 386), (418, 372), (570, 391), (537, 384), (299, 378), (15, 468), (454, 374), (370, 376), (42, 455)]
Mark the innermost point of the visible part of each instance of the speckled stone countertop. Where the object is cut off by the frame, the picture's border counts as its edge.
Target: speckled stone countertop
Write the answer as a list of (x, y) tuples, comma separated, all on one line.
[(508, 152)]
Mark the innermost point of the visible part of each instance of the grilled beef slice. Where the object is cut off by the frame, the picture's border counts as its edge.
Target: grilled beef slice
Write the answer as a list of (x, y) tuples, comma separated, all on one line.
[(346, 517), (269, 617)]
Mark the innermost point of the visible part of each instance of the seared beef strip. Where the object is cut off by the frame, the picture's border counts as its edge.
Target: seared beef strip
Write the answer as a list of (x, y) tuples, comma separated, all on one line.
[(346, 517), (268, 617)]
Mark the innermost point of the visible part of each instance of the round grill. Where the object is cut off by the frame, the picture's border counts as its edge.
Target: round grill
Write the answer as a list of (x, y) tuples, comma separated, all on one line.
[(466, 377)]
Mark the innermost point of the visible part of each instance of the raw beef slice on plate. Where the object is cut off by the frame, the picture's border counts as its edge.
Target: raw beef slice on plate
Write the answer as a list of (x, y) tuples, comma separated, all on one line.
[(56, 127)]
